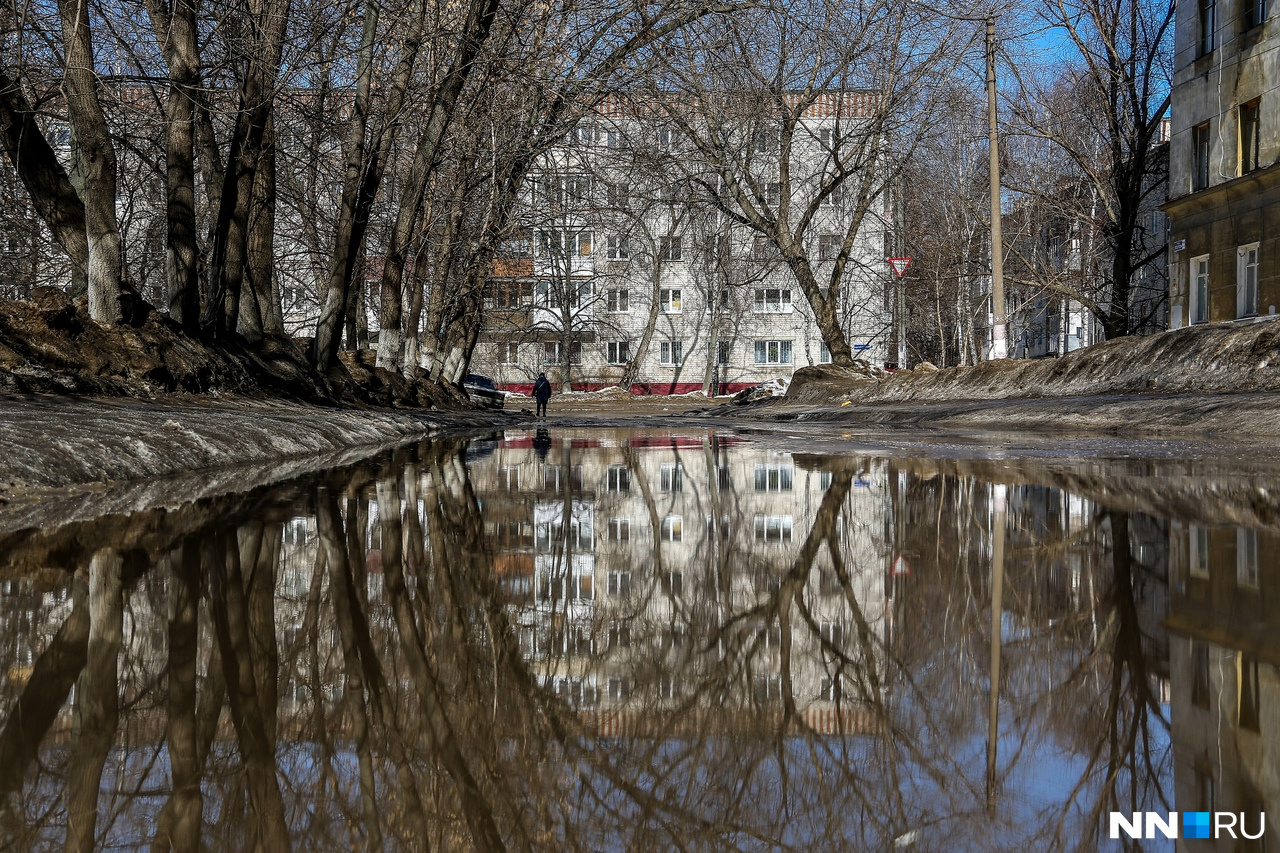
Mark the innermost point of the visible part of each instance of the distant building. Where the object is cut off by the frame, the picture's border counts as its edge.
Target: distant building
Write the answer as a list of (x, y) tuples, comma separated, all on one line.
[(1224, 181), (629, 256)]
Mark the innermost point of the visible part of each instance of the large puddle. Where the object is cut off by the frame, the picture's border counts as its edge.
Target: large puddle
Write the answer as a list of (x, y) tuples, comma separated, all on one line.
[(647, 640)]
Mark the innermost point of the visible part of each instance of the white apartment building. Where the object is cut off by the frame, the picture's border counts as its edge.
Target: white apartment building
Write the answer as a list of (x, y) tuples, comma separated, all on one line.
[(631, 253)]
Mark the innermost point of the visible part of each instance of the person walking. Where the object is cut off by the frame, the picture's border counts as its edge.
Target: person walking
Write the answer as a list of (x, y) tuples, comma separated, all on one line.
[(541, 394)]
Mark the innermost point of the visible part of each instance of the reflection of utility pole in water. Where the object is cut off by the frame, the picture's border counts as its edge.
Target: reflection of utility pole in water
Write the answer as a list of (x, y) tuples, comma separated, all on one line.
[(998, 491)]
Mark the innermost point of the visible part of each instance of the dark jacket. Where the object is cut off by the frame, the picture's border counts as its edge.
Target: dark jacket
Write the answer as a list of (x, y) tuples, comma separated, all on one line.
[(542, 390)]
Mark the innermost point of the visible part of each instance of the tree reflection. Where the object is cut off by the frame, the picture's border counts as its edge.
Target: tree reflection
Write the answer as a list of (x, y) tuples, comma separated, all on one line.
[(630, 642)]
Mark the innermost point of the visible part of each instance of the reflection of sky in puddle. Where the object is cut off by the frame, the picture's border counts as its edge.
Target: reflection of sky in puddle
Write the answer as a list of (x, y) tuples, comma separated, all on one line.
[(630, 639)]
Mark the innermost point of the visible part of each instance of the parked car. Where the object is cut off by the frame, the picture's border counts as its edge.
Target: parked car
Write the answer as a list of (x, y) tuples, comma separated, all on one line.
[(480, 390)]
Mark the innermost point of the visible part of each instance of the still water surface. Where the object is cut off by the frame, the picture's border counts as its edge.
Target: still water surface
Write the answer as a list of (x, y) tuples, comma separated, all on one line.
[(647, 640)]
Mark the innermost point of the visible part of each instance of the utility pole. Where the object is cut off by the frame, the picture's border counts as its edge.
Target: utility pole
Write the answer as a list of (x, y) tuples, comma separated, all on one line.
[(999, 345)]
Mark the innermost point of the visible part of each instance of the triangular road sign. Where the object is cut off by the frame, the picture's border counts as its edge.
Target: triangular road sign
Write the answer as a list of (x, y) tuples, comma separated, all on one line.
[(900, 266)]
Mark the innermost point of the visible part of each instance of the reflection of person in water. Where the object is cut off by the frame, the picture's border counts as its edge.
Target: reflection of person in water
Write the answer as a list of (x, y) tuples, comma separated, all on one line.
[(542, 444)]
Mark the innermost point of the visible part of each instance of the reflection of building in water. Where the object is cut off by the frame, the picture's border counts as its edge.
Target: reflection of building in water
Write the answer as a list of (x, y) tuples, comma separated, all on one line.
[(1225, 615), (637, 569)]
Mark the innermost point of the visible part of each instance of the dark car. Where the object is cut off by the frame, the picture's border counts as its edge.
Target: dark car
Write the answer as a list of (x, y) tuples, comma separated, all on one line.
[(480, 390)]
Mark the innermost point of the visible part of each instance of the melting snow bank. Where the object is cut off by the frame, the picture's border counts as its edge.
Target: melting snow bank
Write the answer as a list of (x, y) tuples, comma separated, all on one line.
[(53, 442), (1205, 379)]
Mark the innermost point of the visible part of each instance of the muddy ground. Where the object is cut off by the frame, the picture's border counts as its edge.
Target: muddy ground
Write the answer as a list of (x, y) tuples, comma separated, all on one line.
[(122, 454)]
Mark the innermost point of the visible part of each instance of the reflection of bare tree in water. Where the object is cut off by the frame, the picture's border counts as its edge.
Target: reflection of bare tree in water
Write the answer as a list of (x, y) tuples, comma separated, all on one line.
[(366, 686)]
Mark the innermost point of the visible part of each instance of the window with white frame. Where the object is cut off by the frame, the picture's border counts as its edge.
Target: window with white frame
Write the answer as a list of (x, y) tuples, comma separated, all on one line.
[(620, 196), (773, 300), (669, 301), (671, 528), (1198, 542), (508, 294), (773, 528), (828, 246), (723, 351), (1199, 297), (618, 479), (508, 352), (761, 247), (614, 138), (617, 300), (832, 634), (829, 690), (774, 478), (583, 134), (669, 687), (824, 353), (671, 477), (773, 193), (1247, 281), (1247, 558), (666, 139), (619, 529), (618, 249), (671, 353), (767, 688), (620, 583), (618, 352), (773, 352), (577, 188), (718, 300), (673, 582), (553, 352), (670, 248)]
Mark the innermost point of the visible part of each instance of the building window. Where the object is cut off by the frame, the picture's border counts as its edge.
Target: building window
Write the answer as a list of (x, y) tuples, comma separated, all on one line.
[(670, 249), (1199, 548), (718, 299), (618, 352), (671, 477), (768, 688), (673, 582), (1199, 308), (828, 246), (619, 530), (553, 352), (669, 687), (620, 634), (1206, 796), (620, 584), (509, 353), (583, 134), (761, 248), (669, 300), (509, 295), (773, 352), (723, 349), (773, 194), (518, 245), (832, 634), (773, 300), (1250, 128), (1249, 699), (1247, 558), (671, 353), (830, 690), (666, 139), (619, 689), (1200, 156), (617, 248), (618, 479), (620, 196), (617, 300), (671, 529), (1208, 25), (1200, 687), (614, 139), (773, 528), (582, 243), (824, 353), (773, 478), (765, 141), (1247, 281), (1255, 13)]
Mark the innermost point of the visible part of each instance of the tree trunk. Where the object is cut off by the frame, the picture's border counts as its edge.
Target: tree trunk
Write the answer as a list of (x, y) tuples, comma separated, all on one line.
[(97, 706), (97, 156), (46, 181), (261, 311)]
